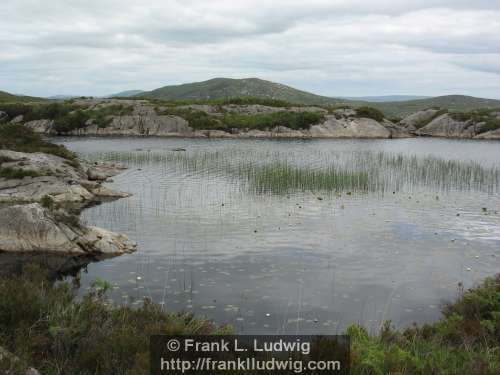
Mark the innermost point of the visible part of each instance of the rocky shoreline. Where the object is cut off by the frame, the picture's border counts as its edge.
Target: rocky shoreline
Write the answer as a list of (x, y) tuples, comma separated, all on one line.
[(42, 202), (144, 119)]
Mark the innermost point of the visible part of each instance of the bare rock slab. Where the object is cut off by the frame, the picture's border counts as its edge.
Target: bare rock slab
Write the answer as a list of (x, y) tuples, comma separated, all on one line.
[(33, 228)]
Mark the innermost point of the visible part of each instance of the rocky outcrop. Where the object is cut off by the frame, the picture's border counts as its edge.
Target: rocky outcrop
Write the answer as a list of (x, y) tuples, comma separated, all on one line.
[(418, 119), (446, 126), (349, 128), (40, 126), (58, 183), (55, 177), (493, 134), (141, 125), (3, 116), (33, 228), (143, 118)]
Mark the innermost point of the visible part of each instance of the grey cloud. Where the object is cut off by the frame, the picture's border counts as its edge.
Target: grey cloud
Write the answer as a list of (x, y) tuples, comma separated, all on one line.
[(355, 47)]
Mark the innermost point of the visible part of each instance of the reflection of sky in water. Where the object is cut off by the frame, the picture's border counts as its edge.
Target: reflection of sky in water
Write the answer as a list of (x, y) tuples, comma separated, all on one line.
[(294, 263)]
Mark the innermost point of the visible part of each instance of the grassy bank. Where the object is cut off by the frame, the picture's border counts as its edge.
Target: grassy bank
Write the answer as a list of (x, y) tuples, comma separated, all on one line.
[(47, 327), (17, 137)]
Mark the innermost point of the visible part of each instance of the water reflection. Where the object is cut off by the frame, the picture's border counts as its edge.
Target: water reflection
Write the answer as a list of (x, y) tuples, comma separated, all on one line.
[(298, 247)]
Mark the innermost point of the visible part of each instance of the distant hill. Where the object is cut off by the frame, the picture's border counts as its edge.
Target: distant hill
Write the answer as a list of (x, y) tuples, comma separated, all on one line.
[(63, 97), (392, 106), (6, 97), (388, 98), (126, 94), (219, 88), (451, 102)]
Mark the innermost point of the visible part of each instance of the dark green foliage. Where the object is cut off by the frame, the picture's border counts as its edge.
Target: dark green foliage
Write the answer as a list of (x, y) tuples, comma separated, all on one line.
[(490, 124), (102, 117), (465, 341), (200, 120), (292, 120), (369, 112), (16, 173), (485, 116), (45, 325), (67, 116), (48, 202), (73, 121), (17, 137), (32, 112)]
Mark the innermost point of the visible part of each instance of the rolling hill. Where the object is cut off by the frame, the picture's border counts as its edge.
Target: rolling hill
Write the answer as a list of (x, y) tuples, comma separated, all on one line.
[(219, 88), (387, 98), (451, 102), (6, 97), (126, 94)]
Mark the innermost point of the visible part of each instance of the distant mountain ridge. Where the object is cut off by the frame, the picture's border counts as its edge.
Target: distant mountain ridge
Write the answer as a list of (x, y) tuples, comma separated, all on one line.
[(392, 106), (388, 98), (125, 94)]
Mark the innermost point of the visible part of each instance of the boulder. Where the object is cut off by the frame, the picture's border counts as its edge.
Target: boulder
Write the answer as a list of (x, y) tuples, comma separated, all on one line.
[(396, 131), (447, 126), (493, 134), (415, 120), (101, 171), (349, 128), (40, 126), (33, 228), (3, 116), (18, 119)]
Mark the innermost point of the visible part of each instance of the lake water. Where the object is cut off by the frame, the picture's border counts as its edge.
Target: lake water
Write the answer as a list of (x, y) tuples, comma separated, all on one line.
[(299, 236)]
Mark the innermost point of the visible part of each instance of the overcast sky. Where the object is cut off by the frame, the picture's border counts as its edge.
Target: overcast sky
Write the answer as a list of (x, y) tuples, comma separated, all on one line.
[(330, 47)]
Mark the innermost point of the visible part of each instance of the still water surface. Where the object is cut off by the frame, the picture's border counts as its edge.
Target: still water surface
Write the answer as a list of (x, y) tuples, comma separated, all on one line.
[(294, 236)]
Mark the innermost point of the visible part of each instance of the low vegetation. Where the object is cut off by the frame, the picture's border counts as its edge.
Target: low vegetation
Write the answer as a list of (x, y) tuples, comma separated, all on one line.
[(16, 173), (200, 120), (47, 327), (465, 341), (486, 118), (67, 116), (17, 137), (369, 112)]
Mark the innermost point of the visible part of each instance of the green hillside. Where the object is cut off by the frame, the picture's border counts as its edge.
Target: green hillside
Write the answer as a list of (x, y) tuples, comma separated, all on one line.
[(5, 97), (451, 102), (220, 88)]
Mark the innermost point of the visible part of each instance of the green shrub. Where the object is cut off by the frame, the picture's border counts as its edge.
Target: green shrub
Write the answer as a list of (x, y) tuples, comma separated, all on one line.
[(489, 125), (17, 137), (369, 112), (16, 173), (292, 120), (70, 122), (47, 201), (44, 323), (465, 341)]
